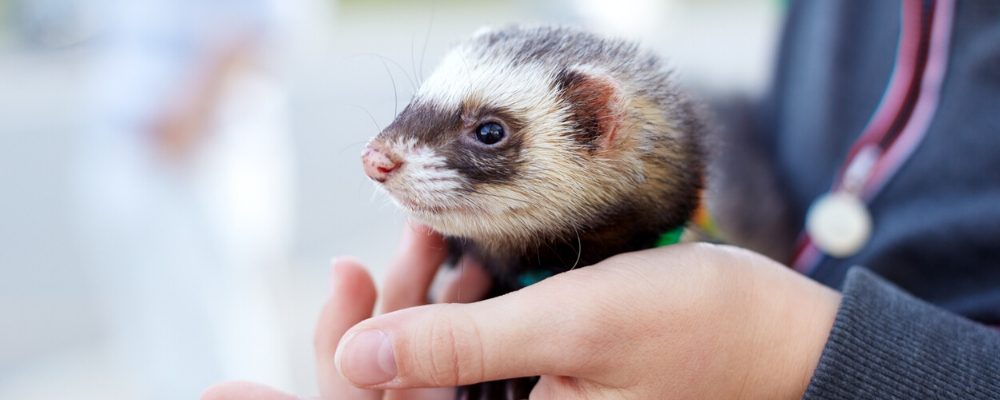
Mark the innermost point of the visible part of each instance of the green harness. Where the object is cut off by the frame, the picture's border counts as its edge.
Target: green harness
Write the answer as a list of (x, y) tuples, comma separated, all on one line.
[(534, 276)]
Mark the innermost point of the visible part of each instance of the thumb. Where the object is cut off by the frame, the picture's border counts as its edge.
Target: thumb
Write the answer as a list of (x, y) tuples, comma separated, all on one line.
[(539, 330)]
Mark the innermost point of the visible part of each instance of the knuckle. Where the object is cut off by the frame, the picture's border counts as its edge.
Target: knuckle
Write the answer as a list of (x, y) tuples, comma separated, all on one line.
[(453, 349)]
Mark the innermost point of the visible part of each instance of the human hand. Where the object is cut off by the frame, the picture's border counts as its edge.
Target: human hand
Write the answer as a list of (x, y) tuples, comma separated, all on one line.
[(687, 321), (407, 284)]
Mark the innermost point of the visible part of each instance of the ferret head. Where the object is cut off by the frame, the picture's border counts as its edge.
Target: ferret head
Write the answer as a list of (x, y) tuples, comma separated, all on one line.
[(525, 134)]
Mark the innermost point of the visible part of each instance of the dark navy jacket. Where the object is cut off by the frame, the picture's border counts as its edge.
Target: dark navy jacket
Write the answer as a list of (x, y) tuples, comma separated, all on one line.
[(922, 298)]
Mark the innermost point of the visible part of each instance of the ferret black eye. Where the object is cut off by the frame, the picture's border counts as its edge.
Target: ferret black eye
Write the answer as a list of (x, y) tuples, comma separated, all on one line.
[(490, 133)]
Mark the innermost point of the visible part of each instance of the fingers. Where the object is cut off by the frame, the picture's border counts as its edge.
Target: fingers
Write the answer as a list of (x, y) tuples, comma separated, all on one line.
[(534, 331), (352, 301), (410, 275), (466, 283), (244, 391)]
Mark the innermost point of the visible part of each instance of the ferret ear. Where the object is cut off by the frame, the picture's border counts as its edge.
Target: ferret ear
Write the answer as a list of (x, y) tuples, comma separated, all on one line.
[(595, 104)]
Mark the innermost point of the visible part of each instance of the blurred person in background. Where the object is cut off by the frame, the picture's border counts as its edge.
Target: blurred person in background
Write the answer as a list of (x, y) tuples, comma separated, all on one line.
[(185, 184)]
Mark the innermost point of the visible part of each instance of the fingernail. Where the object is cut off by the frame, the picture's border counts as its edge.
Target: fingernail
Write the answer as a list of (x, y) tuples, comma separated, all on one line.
[(367, 358)]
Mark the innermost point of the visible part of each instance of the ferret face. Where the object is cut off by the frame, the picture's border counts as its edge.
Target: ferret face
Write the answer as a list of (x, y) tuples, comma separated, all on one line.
[(500, 145)]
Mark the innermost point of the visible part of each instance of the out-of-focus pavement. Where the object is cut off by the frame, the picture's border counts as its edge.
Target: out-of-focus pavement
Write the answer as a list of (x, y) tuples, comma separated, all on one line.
[(52, 343)]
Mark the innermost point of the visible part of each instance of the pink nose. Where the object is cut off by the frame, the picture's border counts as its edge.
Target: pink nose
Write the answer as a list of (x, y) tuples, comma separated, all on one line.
[(379, 164)]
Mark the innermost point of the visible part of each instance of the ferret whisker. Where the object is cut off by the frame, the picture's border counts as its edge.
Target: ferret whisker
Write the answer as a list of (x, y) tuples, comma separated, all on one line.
[(413, 62), (373, 196), (360, 183), (548, 245), (349, 145), (370, 116), (579, 251), (413, 84), (423, 51), (395, 91)]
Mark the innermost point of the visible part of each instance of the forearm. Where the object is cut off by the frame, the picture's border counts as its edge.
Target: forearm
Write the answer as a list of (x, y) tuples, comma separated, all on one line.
[(887, 344)]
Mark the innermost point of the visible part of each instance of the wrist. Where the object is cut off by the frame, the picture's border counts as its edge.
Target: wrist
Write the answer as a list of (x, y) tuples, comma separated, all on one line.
[(800, 314)]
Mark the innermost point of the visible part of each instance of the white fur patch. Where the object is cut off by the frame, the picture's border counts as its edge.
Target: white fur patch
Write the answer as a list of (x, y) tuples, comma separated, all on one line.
[(462, 76), (423, 180)]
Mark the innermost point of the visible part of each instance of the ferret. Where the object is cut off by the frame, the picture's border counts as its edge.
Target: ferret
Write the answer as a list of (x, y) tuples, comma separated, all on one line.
[(542, 149)]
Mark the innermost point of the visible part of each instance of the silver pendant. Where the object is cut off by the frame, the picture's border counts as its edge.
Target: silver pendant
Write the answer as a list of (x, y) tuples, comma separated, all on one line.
[(839, 224)]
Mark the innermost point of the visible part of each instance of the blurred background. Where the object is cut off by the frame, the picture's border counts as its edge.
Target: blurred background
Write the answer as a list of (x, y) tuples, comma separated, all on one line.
[(176, 174)]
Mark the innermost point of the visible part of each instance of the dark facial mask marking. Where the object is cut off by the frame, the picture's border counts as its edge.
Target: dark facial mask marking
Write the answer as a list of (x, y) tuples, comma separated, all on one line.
[(451, 135)]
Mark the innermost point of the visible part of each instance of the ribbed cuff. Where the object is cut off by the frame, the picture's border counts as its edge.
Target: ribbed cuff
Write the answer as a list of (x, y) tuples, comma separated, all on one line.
[(886, 344)]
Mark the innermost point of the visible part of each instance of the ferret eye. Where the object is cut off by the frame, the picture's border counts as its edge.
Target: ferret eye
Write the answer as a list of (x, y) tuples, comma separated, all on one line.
[(489, 133)]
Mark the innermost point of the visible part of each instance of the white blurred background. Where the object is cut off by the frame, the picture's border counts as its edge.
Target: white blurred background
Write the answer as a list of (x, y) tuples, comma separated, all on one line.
[(174, 176)]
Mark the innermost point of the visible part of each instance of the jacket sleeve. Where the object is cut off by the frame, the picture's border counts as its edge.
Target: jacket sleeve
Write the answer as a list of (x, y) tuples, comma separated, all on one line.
[(886, 344)]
